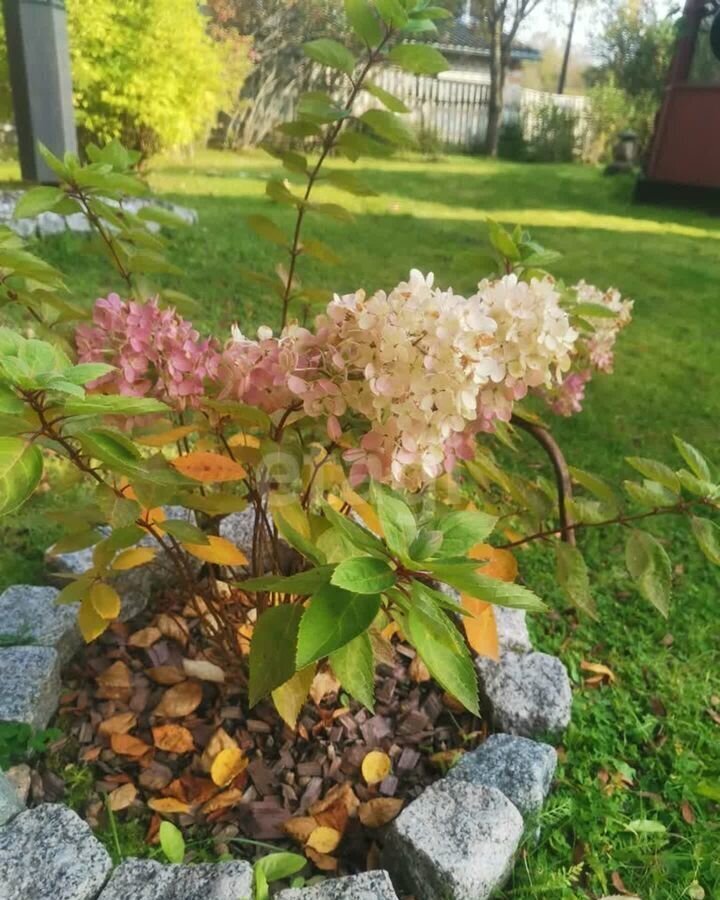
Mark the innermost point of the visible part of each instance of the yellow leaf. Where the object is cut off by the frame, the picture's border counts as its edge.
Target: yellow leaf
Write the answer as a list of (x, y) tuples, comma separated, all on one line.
[(244, 440), (209, 467), (287, 507), (324, 839), (218, 550), (168, 805), (481, 627), (162, 438), (376, 766), (105, 600), (598, 669), (500, 563), (290, 697), (227, 765), (363, 509), (122, 797), (90, 623), (223, 801), (130, 559), (220, 740)]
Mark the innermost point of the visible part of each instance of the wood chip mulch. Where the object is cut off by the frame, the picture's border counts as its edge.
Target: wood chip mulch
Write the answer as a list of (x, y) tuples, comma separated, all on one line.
[(137, 709)]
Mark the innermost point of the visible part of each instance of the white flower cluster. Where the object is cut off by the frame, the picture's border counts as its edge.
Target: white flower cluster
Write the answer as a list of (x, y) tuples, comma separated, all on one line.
[(600, 344), (428, 368)]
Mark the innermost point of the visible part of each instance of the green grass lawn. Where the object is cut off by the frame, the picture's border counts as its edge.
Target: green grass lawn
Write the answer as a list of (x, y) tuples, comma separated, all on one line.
[(652, 726)]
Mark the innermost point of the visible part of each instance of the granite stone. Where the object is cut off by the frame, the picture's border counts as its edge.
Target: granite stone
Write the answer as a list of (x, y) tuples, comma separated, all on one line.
[(143, 879), (29, 685), (10, 804), (522, 769), (49, 853), (367, 886), (457, 841), (31, 614), (528, 693)]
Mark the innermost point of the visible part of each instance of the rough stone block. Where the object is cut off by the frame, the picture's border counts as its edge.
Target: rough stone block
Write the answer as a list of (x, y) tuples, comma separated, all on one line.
[(49, 853), (142, 879), (30, 613), (512, 629), (522, 769), (10, 804), (457, 841), (368, 886), (528, 694), (29, 685)]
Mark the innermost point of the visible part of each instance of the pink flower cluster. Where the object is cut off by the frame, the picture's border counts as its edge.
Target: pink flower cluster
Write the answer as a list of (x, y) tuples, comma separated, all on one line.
[(155, 351)]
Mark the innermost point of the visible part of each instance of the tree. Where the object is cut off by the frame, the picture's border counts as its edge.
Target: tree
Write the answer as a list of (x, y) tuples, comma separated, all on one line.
[(503, 19), (568, 47), (144, 71)]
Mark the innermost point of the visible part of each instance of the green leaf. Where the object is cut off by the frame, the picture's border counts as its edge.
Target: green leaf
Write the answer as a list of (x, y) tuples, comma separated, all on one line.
[(364, 575), (113, 405), (330, 53), (300, 129), (646, 826), (272, 649), (300, 543), (85, 372), (572, 576), (37, 200), (597, 486), (319, 107), (276, 190), (655, 471), (110, 447), (464, 578), (426, 544), (294, 162), (650, 494), (502, 241), (419, 59), (396, 518), (353, 145), (695, 485), (118, 510), (436, 12), (354, 665), (185, 531), (707, 534), (442, 648), (387, 125), (321, 251), (267, 229), (697, 462), (275, 866), (357, 535), (214, 504), (161, 216), (392, 12), (172, 842), (21, 466), (650, 567), (10, 403), (364, 23), (303, 583), (393, 103), (332, 210), (349, 182), (461, 530), (333, 618), (52, 161)]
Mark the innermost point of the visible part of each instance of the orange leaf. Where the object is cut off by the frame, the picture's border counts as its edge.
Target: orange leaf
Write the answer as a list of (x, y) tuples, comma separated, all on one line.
[(224, 800), (500, 563), (119, 724), (379, 811), (115, 682), (162, 438), (180, 700), (321, 860), (218, 550), (227, 765), (165, 675), (324, 839), (209, 467), (376, 766), (122, 797), (127, 745), (173, 627), (299, 828), (145, 638), (481, 627), (173, 738), (168, 805)]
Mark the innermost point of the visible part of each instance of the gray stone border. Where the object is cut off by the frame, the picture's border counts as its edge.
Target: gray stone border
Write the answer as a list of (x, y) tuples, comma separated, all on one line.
[(456, 841)]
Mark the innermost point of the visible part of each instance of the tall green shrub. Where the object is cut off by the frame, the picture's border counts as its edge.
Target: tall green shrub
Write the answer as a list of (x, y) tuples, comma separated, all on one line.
[(144, 71)]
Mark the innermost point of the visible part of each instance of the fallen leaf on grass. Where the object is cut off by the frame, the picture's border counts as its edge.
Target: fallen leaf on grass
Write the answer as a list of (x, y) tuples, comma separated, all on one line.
[(168, 805), (223, 801), (713, 715), (323, 839), (379, 811), (376, 766), (118, 724), (180, 700), (173, 739), (122, 797), (204, 670), (128, 745), (599, 669), (145, 638), (165, 675), (227, 765), (687, 812)]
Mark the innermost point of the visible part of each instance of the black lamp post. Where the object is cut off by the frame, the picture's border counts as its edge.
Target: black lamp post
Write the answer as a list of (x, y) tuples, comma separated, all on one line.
[(41, 82)]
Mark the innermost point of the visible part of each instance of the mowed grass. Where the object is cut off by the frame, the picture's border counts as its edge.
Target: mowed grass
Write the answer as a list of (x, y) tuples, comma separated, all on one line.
[(646, 748)]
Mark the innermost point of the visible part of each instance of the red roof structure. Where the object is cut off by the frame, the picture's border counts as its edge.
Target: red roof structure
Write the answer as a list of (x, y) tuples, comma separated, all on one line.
[(683, 165)]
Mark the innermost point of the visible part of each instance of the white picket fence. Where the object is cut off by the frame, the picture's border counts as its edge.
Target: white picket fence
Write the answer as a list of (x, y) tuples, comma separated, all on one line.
[(455, 109)]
